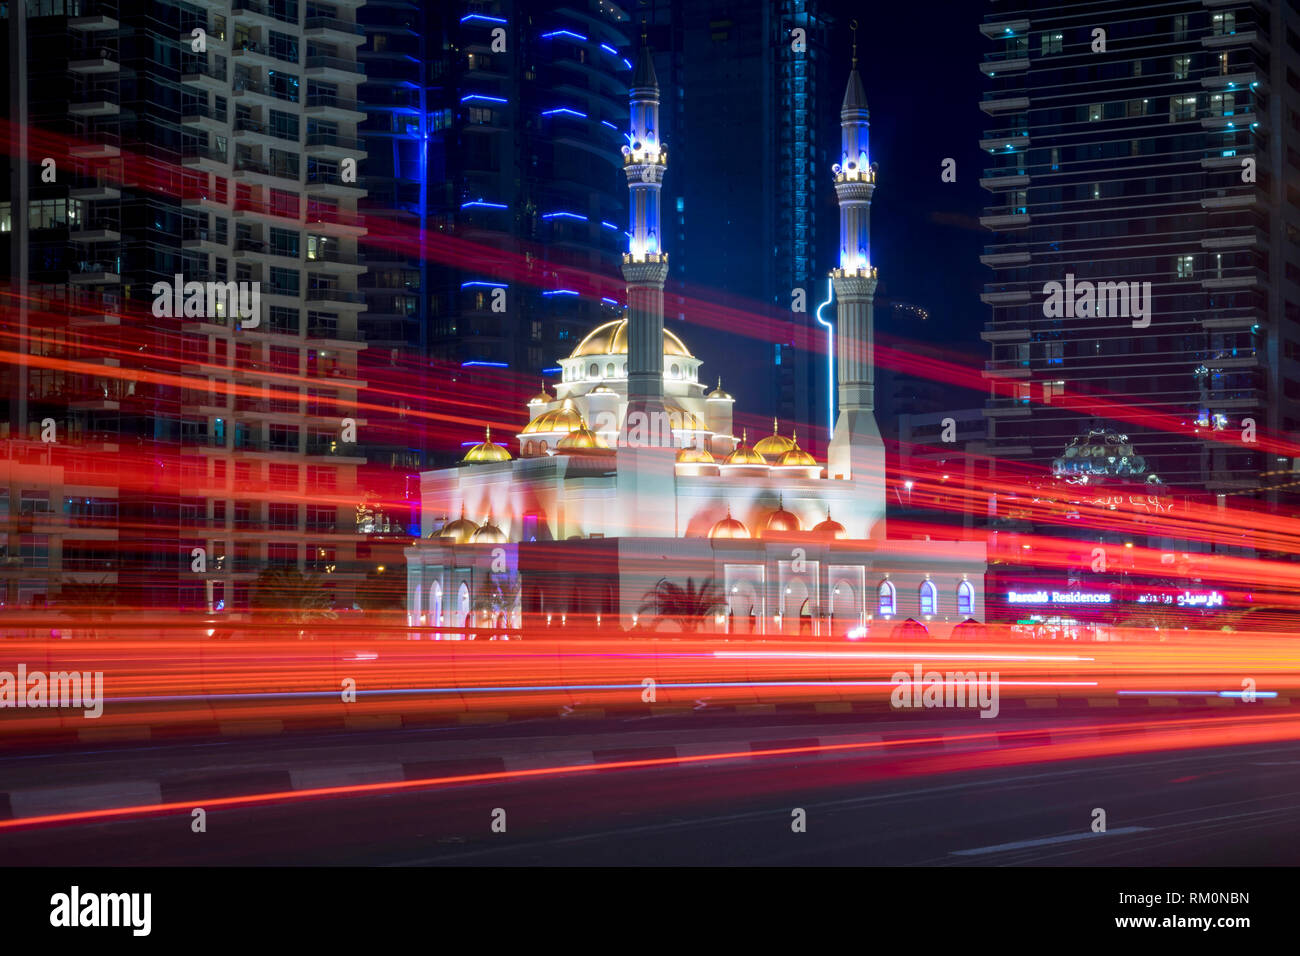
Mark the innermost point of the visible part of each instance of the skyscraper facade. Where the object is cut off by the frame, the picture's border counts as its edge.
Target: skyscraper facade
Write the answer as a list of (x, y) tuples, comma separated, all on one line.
[(1154, 150)]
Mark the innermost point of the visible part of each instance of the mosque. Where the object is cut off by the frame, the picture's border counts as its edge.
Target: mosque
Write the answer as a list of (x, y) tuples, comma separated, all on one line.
[(628, 486)]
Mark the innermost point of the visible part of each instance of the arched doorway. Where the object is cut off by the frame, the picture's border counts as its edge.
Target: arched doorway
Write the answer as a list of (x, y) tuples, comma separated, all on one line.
[(462, 605), (795, 606), (743, 611), (846, 614)]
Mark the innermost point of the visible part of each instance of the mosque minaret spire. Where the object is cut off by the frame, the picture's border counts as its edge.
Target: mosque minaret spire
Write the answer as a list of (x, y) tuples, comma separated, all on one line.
[(645, 264), (856, 450)]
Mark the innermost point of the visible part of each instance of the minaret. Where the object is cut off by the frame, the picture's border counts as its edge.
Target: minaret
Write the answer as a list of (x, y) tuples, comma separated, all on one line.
[(645, 264), (856, 451)]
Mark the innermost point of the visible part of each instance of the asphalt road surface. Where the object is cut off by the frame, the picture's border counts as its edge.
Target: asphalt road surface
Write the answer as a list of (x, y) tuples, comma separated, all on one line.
[(949, 793)]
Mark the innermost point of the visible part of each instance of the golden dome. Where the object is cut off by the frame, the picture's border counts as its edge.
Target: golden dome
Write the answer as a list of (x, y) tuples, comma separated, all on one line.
[(744, 455), (460, 530), (830, 528), (602, 390), (729, 527), (541, 398), (774, 445), (782, 520), (566, 418), (580, 438), (489, 534), (611, 339), (487, 450), (796, 456), (718, 395), (695, 455)]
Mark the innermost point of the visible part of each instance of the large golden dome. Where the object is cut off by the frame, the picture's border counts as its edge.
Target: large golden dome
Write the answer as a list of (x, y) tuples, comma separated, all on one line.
[(744, 455), (796, 456), (487, 450), (489, 534), (782, 520), (729, 527), (695, 455), (460, 530), (774, 445), (611, 339), (566, 418), (580, 439)]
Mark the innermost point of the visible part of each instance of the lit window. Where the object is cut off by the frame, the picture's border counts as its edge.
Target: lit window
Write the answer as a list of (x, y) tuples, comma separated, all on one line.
[(1184, 267), (929, 597), (1223, 24), (965, 598), (1095, 112), (1051, 43), (888, 599), (1182, 66)]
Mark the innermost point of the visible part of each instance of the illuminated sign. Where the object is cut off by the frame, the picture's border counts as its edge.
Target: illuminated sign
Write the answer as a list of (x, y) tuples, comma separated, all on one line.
[(1185, 599), (1058, 597)]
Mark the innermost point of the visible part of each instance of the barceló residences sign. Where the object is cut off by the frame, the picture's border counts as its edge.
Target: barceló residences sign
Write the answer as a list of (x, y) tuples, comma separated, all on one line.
[(1058, 597)]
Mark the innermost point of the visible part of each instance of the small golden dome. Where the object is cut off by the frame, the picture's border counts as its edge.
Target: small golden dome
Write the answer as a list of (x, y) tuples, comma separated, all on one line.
[(695, 455), (782, 520), (489, 534), (611, 339), (774, 445), (796, 456), (563, 419), (744, 455), (602, 390), (541, 398), (487, 450), (718, 395), (682, 419), (729, 527), (830, 528), (580, 438), (460, 530)]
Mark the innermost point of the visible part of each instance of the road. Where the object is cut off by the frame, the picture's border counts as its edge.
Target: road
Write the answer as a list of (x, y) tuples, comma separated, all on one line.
[(702, 790)]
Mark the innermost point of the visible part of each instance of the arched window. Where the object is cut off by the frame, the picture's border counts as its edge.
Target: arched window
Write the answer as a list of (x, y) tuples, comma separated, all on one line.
[(593, 371), (888, 599), (675, 372), (625, 368), (965, 598), (929, 598), (609, 370)]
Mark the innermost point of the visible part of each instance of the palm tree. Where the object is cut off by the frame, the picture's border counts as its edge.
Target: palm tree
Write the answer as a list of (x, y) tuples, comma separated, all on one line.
[(496, 594), (91, 600), (685, 605), (287, 596)]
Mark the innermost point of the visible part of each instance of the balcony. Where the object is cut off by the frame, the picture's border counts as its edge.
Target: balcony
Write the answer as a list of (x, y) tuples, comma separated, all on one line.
[(90, 62), (246, 164), (334, 334), (336, 295), (334, 68), (95, 103), (321, 103), (197, 155), (205, 75), (323, 183), (332, 28), (330, 219), (94, 273), (101, 230), (335, 146), (196, 114), (96, 144)]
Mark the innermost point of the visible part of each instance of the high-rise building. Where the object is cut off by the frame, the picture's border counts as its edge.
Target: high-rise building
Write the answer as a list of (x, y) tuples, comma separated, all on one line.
[(492, 137), (208, 142), (1146, 157)]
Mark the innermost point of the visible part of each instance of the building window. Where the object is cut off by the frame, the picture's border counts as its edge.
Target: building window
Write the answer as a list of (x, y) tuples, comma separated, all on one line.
[(929, 597), (1222, 104), (1051, 43), (965, 598), (888, 603), (1223, 24), (1095, 112), (1182, 108), (1182, 66), (1223, 63), (1056, 159), (1184, 267)]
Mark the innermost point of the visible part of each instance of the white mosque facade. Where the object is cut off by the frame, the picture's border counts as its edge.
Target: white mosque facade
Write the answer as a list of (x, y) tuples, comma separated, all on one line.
[(631, 474)]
